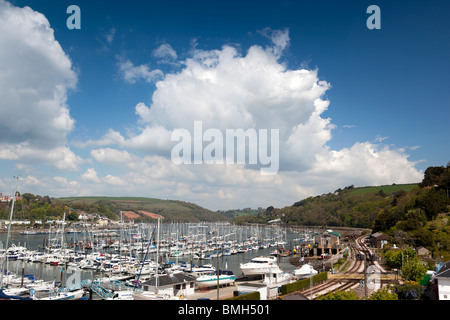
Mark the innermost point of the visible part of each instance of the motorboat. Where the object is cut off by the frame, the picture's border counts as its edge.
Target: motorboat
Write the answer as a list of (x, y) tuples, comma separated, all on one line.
[(260, 265), (277, 277), (305, 271), (14, 252), (208, 280)]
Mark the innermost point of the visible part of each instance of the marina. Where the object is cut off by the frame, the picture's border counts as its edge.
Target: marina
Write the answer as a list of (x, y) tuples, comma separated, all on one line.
[(144, 261)]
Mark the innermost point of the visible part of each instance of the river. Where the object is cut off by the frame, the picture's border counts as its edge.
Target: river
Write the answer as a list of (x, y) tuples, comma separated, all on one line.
[(173, 231)]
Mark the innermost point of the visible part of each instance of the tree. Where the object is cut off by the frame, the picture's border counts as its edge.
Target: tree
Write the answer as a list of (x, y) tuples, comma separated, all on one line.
[(397, 196), (437, 176), (29, 197), (408, 291), (339, 295), (73, 216), (424, 237), (433, 202), (396, 259), (385, 219), (413, 270), (383, 294), (432, 176)]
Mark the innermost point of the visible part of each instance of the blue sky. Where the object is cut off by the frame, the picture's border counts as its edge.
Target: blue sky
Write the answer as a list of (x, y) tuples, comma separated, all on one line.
[(125, 75)]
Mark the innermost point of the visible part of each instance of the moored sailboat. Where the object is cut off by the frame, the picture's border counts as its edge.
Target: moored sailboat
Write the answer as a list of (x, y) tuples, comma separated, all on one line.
[(212, 279)]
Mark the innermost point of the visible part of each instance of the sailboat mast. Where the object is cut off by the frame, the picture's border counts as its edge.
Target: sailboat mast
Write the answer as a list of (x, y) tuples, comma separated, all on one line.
[(9, 232), (157, 257), (62, 231)]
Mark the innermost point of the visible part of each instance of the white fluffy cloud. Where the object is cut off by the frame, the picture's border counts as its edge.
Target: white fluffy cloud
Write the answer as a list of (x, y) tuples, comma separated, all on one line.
[(132, 73), (35, 76), (166, 53), (226, 89)]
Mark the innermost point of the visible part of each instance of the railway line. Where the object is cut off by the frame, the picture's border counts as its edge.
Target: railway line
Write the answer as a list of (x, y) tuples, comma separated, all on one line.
[(362, 259)]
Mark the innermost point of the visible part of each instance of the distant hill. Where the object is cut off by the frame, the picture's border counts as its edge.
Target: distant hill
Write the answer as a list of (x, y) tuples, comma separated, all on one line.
[(387, 189), (143, 209), (348, 207)]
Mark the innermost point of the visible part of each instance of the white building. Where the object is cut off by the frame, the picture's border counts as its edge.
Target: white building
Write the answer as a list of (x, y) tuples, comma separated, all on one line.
[(17, 222), (443, 281), (248, 287), (173, 285)]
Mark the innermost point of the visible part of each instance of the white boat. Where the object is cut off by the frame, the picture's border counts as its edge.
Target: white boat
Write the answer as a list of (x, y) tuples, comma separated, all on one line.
[(176, 254), (122, 295), (260, 265), (15, 281), (40, 285), (209, 280), (28, 232), (36, 257), (277, 277), (55, 260), (198, 271), (89, 264), (18, 292), (152, 296), (305, 271), (71, 295), (72, 230), (146, 269)]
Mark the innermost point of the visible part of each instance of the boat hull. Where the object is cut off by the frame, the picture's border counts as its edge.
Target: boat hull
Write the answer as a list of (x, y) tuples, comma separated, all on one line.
[(74, 295), (305, 271), (260, 265), (209, 281), (253, 271)]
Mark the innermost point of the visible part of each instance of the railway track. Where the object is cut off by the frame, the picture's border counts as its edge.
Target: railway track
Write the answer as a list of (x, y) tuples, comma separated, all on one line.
[(360, 253)]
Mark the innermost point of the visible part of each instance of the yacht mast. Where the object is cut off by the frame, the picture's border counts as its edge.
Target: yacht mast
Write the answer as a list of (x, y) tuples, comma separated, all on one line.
[(157, 257), (9, 232)]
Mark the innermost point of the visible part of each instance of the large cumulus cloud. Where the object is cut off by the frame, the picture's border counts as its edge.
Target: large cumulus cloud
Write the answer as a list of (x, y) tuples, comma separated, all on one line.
[(35, 76), (226, 88)]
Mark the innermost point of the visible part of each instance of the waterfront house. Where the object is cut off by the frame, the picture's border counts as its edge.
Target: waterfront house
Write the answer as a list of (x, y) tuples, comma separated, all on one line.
[(328, 240), (173, 285)]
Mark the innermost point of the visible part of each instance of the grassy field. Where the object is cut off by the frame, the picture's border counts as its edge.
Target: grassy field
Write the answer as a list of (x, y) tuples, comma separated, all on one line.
[(387, 189)]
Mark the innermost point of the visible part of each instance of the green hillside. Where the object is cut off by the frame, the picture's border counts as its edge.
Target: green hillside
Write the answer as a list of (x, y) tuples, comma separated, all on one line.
[(411, 214), (171, 210)]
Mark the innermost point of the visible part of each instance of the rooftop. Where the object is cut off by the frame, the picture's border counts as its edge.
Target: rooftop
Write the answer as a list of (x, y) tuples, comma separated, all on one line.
[(165, 280)]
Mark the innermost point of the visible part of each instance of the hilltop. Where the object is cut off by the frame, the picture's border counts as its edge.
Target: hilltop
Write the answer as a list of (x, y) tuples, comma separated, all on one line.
[(143, 209), (35, 207)]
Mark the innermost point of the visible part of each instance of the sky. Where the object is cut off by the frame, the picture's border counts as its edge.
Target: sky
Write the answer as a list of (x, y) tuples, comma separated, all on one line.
[(92, 111)]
